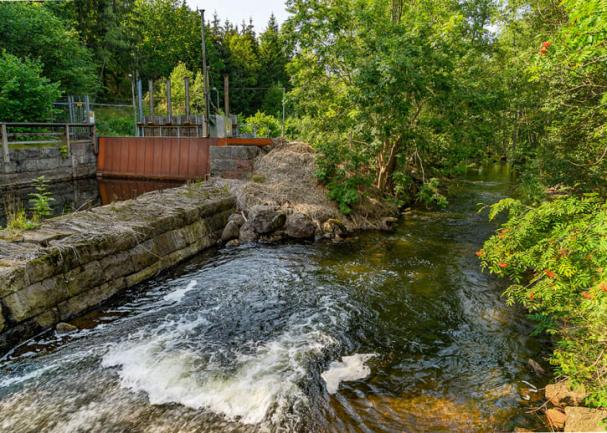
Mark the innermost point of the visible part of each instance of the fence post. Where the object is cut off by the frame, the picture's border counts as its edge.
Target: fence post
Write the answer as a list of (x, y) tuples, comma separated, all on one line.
[(67, 139), (5, 143)]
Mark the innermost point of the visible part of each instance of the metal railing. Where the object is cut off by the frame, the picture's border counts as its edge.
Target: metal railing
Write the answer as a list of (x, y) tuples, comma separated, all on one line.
[(39, 133)]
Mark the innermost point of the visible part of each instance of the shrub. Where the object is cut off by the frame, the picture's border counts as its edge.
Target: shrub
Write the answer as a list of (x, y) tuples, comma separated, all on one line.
[(555, 255), (261, 124), (430, 195)]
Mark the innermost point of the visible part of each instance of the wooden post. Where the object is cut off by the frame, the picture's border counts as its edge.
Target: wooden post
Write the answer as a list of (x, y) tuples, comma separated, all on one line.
[(205, 74), (226, 94), (5, 143), (140, 100), (169, 108), (186, 83), (151, 94)]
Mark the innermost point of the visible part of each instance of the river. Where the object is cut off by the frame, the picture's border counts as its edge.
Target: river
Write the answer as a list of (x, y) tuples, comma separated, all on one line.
[(397, 332)]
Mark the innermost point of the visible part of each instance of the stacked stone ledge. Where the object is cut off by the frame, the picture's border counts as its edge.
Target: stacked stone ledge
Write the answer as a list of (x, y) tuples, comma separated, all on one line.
[(75, 262)]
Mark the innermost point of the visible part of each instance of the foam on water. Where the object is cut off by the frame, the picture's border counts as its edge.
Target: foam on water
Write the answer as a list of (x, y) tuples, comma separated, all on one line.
[(260, 383), (177, 295), (348, 369)]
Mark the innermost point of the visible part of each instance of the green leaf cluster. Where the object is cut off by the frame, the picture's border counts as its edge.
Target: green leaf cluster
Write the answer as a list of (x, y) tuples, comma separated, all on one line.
[(555, 255)]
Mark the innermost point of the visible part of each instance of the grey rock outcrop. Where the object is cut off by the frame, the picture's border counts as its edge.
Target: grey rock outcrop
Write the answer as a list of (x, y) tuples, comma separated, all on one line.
[(300, 226), (265, 219)]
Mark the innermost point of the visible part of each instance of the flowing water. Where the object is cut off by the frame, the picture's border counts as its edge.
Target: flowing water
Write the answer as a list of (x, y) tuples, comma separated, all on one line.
[(396, 332)]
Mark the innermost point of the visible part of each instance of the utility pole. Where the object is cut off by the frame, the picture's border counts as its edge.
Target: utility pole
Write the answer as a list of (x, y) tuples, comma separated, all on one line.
[(205, 71)]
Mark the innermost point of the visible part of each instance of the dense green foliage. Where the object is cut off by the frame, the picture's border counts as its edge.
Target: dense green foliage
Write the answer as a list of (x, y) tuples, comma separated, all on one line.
[(391, 97), (555, 254), (94, 47), (553, 247), (24, 93), (32, 31)]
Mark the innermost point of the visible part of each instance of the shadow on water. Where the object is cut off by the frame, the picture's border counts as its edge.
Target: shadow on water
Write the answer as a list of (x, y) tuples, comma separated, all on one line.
[(239, 340), (82, 194)]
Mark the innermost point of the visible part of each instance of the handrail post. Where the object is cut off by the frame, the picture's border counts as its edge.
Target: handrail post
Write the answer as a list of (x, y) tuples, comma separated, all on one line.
[(5, 153), (67, 139)]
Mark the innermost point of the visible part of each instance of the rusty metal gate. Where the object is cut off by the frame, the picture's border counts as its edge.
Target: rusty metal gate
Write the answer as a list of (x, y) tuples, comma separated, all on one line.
[(167, 158)]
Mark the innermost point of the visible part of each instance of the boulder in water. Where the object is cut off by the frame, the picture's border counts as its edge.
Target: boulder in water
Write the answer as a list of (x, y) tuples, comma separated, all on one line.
[(65, 328), (300, 226), (230, 231), (237, 218), (334, 228), (562, 394), (265, 219), (247, 234)]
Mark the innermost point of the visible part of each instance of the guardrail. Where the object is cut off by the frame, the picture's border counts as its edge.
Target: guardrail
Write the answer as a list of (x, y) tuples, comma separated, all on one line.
[(40, 133)]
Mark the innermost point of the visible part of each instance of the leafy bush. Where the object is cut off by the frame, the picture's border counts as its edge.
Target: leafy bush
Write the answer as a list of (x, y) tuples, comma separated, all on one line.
[(343, 178), (430, 195), (114, 121), (25, 95), (262, 125), (555, 254)]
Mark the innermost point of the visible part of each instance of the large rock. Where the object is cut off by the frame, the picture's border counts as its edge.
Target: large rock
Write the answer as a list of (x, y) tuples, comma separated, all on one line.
[(238, 219), (265, 219), (583, 419), (556, 418), (334, 228), (563, 394), (247, 234), (300, 226), (230, 231)]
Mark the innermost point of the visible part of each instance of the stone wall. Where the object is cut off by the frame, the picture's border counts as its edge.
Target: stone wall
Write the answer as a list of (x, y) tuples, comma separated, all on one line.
[(74, 262), (233, 162), (67, 196), (29, 163)]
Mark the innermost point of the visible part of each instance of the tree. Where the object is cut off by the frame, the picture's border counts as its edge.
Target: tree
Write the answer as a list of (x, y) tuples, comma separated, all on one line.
[(388, 94), (25, 95), (32, 31)]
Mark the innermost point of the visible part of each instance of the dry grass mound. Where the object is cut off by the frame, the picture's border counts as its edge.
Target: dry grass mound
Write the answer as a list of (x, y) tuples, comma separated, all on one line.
[(285, 177)]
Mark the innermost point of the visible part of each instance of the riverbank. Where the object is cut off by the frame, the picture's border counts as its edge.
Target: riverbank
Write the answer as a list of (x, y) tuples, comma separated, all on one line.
[(284, 199)]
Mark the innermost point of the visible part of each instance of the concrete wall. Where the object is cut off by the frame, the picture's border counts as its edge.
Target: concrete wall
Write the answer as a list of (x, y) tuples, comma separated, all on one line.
[(29, 163), (233, 162), (74, 262)]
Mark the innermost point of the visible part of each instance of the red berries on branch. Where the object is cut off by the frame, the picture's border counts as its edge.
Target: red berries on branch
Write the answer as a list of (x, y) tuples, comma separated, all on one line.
[(545, 46)]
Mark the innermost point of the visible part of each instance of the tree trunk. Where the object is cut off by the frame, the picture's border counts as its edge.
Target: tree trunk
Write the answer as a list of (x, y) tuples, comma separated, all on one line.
[(386, 163), (397, 11)]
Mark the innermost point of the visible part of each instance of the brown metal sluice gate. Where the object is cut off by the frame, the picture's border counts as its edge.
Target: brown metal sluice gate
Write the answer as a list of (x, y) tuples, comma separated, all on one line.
[(166, 158), (162, 158)]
